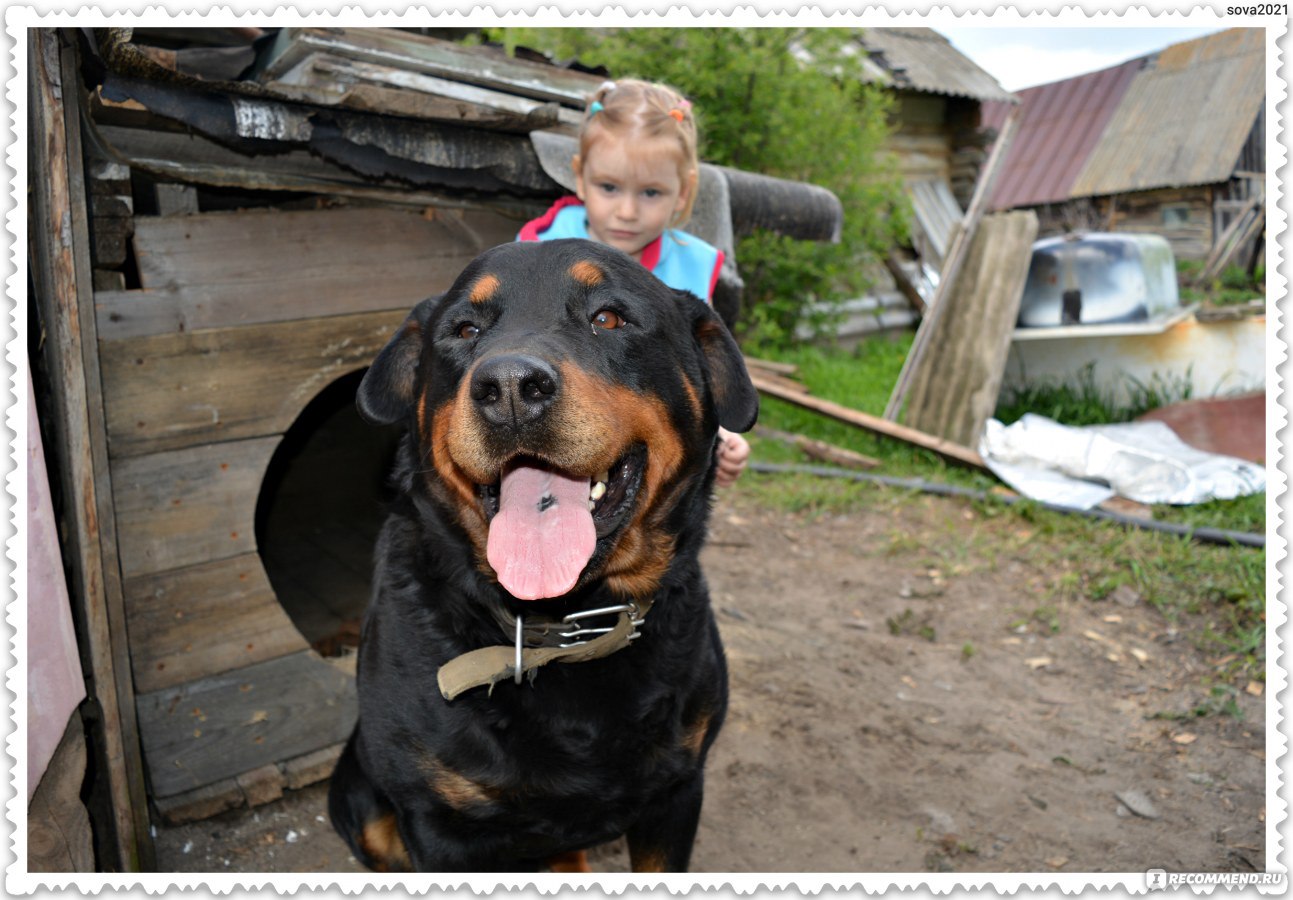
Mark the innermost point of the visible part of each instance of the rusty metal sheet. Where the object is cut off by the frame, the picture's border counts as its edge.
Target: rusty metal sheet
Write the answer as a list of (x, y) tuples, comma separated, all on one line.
[(1060, 125)]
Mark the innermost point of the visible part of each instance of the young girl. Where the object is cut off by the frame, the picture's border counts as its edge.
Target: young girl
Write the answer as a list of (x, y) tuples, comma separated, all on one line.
[(635, 181)]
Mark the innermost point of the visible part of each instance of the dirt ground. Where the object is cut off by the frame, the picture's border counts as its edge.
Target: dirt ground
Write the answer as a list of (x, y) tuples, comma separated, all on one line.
[(890, 713)]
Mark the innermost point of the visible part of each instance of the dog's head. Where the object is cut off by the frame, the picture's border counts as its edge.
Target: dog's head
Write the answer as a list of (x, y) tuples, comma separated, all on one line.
[(564, 403)]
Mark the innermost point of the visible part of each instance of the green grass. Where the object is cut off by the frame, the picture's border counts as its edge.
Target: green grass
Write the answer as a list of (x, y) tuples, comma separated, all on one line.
[(1081, 402), (1232, 287)]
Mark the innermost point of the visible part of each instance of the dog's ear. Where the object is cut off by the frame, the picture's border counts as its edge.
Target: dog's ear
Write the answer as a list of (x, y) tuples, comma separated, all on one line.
[(734, 395), (385, 394)]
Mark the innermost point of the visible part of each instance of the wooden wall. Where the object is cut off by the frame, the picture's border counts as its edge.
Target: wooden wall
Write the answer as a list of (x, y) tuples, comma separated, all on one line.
[(921, 139), (240, 320), (1145, 212)]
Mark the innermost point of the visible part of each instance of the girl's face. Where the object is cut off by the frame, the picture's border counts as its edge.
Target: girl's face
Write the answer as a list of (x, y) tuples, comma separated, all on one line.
[(631, 190)]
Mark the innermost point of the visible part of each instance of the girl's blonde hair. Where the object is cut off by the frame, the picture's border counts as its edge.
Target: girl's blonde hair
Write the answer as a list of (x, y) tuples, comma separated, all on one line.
[(642, 108)]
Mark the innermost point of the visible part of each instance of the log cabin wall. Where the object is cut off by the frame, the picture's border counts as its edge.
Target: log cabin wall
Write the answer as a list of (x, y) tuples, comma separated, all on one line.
[(1184, 216)]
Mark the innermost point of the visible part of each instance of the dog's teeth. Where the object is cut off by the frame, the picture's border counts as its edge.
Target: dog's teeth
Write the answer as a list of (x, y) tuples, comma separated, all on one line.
[(591, 504), (598, 491)]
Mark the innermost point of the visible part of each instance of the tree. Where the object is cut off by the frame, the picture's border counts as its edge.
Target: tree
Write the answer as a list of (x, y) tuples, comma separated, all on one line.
[(788, 102)]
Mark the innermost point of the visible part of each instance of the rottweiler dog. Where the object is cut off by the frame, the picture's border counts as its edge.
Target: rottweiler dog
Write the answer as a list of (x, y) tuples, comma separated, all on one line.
[(539, 668)]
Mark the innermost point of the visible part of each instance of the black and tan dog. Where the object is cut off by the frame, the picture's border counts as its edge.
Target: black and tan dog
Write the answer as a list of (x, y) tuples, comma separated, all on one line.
[(539, 670)]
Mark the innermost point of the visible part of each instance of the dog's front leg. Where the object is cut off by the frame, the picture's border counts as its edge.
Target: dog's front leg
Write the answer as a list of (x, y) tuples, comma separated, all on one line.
[(661, 839)]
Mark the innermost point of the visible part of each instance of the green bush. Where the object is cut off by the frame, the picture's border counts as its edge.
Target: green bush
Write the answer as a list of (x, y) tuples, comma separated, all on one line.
[(762, 108)]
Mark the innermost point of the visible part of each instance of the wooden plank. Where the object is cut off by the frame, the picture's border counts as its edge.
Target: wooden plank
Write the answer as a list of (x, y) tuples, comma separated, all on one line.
[(205, 619), (821, 451), (218, 270), (333, 81), (954, 391), (167, 392), (226, 794), (62, 276), (946, 449), (183, 507), (221, 727), (778, 368), (200, 803), (955, 257), (445, 59), (224, 256)]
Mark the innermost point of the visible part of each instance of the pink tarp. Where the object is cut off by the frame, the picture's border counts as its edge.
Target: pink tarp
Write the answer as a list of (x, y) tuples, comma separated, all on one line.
[(54, 682)]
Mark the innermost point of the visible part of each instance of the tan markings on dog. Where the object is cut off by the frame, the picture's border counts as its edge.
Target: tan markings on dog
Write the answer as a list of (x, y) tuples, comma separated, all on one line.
[(595, 408), (574, 861), (381, 840), (693, 738), (484, 288), (643, 860), (456, 489), (587, 274), (693, 398), (454, 788), (422, 415)]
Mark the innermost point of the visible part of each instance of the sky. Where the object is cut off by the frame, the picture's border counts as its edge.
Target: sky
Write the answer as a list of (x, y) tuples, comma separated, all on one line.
[(1023, 57)]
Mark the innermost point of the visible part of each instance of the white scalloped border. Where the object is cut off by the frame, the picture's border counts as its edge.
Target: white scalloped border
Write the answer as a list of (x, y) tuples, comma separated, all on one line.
[(19, 18)]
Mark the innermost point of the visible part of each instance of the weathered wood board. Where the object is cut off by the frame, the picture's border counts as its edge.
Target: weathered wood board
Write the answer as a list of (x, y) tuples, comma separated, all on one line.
[(171, 391), (221, 727), (205, 619), (332, 80), (955, 389), (184, 507), (219, 270), (417, 53)]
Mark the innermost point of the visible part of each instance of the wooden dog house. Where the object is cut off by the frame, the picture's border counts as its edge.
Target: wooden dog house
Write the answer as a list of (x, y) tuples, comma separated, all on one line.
[(250, 244)]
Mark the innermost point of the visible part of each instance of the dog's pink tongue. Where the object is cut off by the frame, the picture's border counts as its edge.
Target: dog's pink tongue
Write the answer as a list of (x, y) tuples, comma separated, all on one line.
[(543, 534)]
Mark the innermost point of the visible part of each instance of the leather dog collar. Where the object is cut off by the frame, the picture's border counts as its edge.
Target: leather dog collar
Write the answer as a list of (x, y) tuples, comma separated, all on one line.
[(490, 665)]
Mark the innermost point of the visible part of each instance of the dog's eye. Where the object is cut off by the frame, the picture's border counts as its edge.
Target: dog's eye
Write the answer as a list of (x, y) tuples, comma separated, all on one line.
[(608, 319), (467, 331)]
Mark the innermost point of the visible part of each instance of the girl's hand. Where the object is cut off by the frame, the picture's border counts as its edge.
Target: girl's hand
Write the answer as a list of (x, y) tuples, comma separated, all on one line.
[(733, 453)]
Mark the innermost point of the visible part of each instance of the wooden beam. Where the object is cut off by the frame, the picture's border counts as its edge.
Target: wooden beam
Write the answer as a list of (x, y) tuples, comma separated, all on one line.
[(62, 276), (946, 449), (821, 451), (954, 391)]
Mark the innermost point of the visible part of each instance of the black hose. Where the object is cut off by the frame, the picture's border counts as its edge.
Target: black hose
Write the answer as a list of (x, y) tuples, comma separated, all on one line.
[(1204, 535)]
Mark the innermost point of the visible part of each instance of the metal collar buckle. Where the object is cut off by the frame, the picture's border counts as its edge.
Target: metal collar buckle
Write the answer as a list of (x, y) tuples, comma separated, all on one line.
[(575, 630)]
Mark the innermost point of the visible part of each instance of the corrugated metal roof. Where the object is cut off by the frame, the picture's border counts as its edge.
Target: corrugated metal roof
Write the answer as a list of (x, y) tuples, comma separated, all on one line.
[(1184, 120), (922, 59), (1060, 125)]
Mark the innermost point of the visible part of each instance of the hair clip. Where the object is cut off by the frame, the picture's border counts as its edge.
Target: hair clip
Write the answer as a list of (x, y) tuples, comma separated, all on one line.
[(594, 108), (677, 114), (684, 104), (606, 86)]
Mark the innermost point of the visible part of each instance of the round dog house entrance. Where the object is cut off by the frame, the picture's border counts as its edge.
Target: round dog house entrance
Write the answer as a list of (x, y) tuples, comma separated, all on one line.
[(320, 508)]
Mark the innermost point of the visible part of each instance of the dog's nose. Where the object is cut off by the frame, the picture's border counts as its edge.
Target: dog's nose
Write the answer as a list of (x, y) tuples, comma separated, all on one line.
[(514, 389)]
